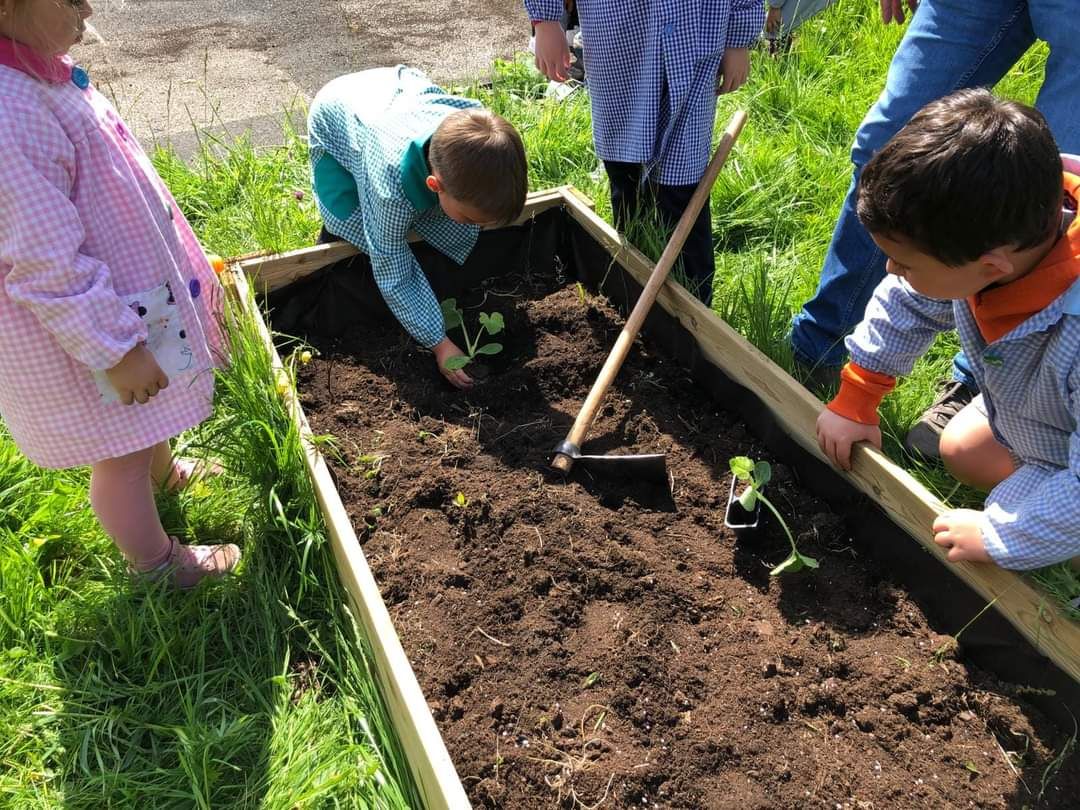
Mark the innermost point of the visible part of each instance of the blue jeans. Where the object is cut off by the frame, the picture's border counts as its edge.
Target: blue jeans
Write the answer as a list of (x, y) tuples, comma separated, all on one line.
[(949, 45)]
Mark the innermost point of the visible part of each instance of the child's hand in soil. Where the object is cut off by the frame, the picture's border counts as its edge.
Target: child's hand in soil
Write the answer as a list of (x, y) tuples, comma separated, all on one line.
[(444, 350), (137, 377), (960, 531), (836, 434)]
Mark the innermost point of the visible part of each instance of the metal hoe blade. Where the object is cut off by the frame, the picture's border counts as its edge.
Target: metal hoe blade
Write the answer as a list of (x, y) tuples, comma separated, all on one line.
[(648, 467)]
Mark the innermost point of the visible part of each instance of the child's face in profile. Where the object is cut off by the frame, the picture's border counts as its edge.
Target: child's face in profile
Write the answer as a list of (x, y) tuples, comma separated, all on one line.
[(463, 212), (935, 279), (49, 27)]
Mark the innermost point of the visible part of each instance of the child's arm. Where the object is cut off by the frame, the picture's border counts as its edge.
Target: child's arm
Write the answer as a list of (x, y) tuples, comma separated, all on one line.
[(898, 328), (404, 286), (746, 22), (552, 52), (744, 28), (41, 235)]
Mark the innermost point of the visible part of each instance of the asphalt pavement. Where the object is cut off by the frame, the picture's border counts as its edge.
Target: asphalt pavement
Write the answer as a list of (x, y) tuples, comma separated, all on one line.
[(238, 65)]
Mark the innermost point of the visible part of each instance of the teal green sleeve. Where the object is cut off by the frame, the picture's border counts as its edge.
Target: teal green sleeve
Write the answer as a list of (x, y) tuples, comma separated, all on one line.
[(335, 187)]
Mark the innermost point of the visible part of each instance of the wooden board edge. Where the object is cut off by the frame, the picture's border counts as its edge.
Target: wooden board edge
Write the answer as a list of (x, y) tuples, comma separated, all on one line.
[(269, 272), (423, 746), (906, 501)]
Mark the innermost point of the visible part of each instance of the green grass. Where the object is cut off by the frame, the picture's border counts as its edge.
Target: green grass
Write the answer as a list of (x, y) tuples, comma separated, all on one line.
[(251, 692), (255, 692)]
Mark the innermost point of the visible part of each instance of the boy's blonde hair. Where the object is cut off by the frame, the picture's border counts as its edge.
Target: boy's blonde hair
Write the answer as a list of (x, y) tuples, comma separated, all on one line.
[(480, 160)]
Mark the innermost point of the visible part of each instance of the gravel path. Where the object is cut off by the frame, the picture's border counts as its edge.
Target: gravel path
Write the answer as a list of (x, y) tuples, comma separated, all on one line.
[(238, 64)]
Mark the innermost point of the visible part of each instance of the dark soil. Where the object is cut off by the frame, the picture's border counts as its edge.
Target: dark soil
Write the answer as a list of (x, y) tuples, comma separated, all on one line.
[(605, 643)]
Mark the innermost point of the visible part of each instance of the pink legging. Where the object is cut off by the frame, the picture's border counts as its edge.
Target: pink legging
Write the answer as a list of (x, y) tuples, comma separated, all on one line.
[(122, 497)]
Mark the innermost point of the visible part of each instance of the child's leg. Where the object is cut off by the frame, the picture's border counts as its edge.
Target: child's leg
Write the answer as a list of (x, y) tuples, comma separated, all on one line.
[(123, 500), (122, 497), (971, 453)]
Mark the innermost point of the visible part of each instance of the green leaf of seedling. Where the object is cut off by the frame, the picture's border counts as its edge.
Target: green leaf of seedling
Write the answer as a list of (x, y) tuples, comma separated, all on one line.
[(748, 500), (460, 500), (493, 323), (742, 467), (489, 348), (762, 474), (457, 361), (793, 563), (451, 313), (592, 679)]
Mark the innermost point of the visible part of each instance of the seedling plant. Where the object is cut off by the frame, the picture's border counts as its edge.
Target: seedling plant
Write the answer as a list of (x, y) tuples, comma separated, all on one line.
[(757, 475), (491, 324)]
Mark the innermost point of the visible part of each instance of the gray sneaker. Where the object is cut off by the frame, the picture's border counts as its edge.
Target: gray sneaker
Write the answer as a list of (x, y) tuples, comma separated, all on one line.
[(924, 438)]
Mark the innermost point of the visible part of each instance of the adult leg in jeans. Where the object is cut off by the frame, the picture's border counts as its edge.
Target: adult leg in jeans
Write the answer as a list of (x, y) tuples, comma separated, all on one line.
[(949, 45), (1057, 23)]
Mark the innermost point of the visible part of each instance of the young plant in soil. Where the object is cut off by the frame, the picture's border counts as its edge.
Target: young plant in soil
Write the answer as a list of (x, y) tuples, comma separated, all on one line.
[(757, 475), (491, 324)]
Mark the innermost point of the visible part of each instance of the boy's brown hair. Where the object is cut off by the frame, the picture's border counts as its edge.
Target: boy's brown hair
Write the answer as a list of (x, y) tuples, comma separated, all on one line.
[(480, 160), (968, 174)]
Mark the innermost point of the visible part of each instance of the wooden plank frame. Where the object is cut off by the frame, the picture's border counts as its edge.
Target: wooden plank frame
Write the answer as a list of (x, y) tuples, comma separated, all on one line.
[(906, 501), (424, 749)]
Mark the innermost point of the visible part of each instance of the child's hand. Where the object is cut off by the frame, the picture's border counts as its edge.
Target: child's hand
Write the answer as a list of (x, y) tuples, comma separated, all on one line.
[(137, 377), (894, 10), (444, 350), (773, 20), (836, 434), (734, 70), (552, 52), (960, 531)]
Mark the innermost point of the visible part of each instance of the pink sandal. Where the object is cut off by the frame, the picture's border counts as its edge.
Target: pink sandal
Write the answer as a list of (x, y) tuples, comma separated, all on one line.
[(189, 565)]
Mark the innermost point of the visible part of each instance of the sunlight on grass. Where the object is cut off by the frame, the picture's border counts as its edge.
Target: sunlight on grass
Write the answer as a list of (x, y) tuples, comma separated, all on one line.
[(255, 691)]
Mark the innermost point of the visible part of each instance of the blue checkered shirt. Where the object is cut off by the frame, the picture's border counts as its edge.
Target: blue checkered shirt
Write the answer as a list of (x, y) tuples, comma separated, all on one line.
[(651, 67), (1030, 381), (365, 122)]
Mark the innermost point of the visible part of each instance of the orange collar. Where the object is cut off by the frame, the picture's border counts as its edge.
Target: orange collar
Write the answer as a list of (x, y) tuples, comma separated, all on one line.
[(999, 310)]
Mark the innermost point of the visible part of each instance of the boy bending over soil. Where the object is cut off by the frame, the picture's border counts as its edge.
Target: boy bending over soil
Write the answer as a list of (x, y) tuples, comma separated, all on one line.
[(972, 206), (391, 152)]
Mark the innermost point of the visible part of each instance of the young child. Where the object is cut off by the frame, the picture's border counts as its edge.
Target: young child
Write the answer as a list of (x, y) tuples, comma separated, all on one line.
[(970, 203), (390, 152), (96, 261), (654, 71)]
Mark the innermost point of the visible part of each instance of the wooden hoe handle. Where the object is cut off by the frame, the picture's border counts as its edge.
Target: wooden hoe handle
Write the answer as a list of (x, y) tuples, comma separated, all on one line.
[(587, 414)]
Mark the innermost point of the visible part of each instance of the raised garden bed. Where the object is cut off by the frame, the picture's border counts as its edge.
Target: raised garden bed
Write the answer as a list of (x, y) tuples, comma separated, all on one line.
[(604, 640)]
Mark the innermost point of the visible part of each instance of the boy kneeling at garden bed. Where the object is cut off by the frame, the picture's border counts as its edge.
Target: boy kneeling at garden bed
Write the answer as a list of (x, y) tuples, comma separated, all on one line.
[(967, 202), (391, 152)]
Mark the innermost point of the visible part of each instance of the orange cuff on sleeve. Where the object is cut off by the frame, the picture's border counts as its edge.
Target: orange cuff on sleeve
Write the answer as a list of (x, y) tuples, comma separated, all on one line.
[(861, 391)]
